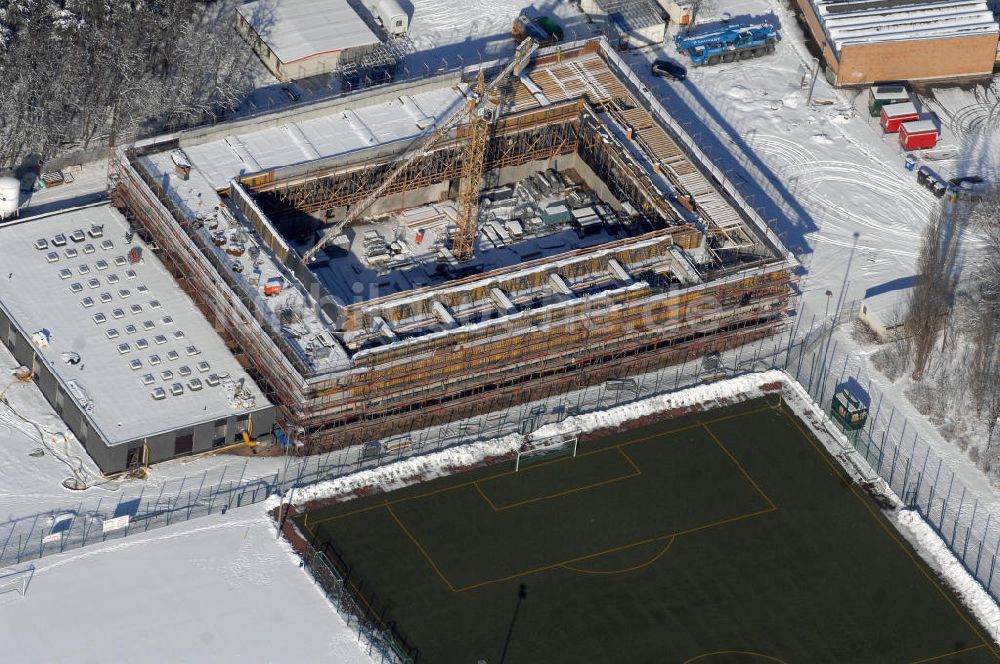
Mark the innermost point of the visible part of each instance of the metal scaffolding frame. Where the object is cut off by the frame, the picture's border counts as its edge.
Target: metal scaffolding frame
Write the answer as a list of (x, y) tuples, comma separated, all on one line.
[(541, 327)]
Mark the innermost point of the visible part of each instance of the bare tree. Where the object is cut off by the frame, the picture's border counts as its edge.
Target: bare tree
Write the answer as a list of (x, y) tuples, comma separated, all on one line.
[(934, 289), (78, 71)]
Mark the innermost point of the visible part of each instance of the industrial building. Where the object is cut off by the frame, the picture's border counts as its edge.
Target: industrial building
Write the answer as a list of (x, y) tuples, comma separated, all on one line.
[(115, 345), (300, 38), (872, 41), (419, 253), (630, 23)]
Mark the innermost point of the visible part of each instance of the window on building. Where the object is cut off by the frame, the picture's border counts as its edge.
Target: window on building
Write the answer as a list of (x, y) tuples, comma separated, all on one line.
[(183, 444), (219, 437)]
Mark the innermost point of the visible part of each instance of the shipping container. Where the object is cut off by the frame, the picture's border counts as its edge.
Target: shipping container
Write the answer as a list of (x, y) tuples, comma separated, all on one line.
[(918, 135), (885, 94), (894, 115)]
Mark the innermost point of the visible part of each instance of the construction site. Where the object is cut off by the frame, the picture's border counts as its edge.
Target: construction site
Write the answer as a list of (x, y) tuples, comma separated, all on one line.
[(428, 250)]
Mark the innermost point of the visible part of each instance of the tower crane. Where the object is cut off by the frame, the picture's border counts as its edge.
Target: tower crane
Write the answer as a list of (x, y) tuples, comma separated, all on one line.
[(480, 111)]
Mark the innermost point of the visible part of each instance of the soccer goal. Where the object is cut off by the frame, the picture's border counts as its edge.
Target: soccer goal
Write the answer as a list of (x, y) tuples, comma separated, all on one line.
[(16, 581), (535, 450)]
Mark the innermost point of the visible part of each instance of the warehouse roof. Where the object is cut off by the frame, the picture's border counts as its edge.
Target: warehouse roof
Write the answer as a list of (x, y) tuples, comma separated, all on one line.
[(113, 331), (632, 14), (849, 22), (298, 29)]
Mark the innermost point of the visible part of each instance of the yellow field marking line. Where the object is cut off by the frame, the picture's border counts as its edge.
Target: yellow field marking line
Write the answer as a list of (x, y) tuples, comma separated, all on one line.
[(626, 570), (635, 473), (949, 654), (463, 485), (734, 652), (420, 548), (838, 471), (740, 467), (614, 549)]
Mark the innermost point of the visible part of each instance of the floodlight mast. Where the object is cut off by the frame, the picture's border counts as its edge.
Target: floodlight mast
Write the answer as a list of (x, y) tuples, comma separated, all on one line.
[(426, 140)]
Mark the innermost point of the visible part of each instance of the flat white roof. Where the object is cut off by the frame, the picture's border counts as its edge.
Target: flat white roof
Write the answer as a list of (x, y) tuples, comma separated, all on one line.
[(298, 29), (343, 130), (895, 110), (850, 22), (91, 288), (919, 126)]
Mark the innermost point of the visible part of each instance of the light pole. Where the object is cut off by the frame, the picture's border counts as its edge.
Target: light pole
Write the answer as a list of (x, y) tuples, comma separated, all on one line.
[(812, 84)]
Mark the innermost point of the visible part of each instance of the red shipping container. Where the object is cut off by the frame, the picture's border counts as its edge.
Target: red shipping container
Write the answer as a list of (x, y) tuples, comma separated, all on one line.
[(894, 115), (917, 135)]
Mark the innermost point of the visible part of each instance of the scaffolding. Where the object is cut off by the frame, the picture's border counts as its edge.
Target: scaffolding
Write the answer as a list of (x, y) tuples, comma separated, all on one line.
[(491, 340)]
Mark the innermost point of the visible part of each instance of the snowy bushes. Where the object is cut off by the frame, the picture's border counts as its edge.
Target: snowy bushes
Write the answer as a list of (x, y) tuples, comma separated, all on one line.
[(77, 72)]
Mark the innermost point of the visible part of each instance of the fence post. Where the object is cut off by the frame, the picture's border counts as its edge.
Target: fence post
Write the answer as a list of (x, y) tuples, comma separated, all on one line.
[(944, 505), (982, 542), (930, 496), (993, 564), (968, 531), (958, 517)]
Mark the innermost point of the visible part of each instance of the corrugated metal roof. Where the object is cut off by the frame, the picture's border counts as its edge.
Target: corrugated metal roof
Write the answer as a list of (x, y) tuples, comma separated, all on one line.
[(848, 22), (632, 14), (297, 29)]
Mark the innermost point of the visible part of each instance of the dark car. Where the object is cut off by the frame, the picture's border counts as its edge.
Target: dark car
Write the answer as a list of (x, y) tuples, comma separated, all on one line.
[(932, 181), (669, 70), (969, 187)]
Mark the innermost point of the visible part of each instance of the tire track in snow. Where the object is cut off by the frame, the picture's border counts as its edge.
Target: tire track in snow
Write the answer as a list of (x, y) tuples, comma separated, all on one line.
[(806, 174)]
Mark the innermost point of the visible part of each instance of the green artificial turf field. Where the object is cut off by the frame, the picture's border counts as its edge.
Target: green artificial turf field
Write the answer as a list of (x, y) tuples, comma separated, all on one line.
[(725, 537)]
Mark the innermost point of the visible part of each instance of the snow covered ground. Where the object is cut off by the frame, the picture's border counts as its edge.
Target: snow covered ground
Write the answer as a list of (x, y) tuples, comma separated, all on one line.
[(834, 184), (211, 590)]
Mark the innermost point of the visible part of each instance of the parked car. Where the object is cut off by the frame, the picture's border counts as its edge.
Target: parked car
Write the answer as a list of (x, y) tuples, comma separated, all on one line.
[(969, 187), (669, 70), (932, 181)]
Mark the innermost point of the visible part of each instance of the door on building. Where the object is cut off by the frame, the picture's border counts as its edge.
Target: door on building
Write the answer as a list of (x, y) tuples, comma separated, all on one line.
[(134, 458), (183, 444)]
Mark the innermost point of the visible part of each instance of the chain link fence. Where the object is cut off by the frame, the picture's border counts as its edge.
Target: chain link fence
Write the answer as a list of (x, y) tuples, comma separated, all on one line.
[(809, 352)]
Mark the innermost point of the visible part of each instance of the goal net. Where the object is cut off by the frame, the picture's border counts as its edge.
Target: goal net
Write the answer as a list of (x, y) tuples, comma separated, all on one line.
[(535, 450), (16, 581)]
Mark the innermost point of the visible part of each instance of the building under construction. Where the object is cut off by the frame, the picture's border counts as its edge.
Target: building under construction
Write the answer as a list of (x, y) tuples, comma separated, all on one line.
[(425, 251)]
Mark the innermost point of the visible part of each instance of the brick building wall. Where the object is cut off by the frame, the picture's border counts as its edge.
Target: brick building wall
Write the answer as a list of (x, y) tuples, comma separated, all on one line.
[(921, 59)]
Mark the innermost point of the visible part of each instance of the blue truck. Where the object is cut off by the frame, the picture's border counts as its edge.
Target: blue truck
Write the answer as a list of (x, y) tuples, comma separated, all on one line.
[(734, 42)]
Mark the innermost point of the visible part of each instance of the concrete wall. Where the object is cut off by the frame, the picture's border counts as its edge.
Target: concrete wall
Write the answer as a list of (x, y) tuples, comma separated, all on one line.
[(255, 42), (323, 63), (818, 35), (113, 458)]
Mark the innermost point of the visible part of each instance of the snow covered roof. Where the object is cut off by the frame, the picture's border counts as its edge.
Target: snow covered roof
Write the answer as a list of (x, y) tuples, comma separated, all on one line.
[(632, 14), (114, 328), (298, 29), (896, 110), (849, 22), (918, 126), (359, 126)]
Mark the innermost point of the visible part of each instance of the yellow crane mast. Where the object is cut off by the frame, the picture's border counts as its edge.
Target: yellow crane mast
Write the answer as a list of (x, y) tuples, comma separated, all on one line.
[(483, 110)]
